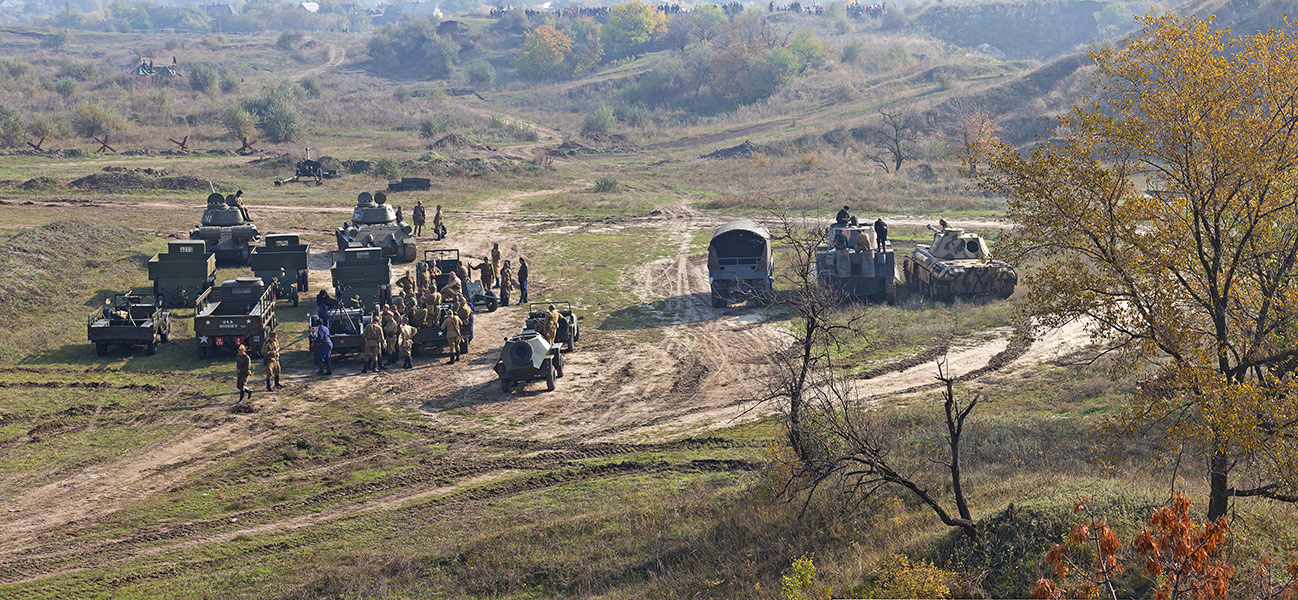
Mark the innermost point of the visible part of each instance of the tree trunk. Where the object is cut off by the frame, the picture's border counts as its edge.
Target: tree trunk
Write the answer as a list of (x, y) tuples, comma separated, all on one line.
[(1219, 494)]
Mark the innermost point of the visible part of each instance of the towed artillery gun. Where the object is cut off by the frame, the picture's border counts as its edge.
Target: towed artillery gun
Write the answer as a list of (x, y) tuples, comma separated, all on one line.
[(850, 264), (131, 320), (447, 261), (282, 264), (739, 263), (362, 277), (183, 272), (237, 312), (957, 265), (374, 224), (225, 231), (308, 170)]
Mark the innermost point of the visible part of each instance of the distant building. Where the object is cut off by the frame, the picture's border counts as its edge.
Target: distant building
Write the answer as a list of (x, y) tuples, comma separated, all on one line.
[(311, 7), (216, 11)]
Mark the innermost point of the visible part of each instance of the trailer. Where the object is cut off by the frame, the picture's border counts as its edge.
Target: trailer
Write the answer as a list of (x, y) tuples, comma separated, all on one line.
[(282, 265)]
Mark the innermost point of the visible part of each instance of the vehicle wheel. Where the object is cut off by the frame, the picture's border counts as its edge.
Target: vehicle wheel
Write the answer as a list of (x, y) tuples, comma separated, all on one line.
[(549, 381), (558, 366), (572, 343), (505, 385), (492, 305), (295, 298), (153, 348), (101, 348), (890, 293), (718, 301)]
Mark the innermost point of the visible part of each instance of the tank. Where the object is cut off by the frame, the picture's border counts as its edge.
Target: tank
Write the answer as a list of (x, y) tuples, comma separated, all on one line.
[(739, 263), (850, 263), (957, 265), (225, 232), (374, 225)]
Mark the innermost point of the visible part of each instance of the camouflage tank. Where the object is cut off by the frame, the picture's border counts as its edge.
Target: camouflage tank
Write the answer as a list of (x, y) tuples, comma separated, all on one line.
[(225, 231), (374, 224), (957, 265)]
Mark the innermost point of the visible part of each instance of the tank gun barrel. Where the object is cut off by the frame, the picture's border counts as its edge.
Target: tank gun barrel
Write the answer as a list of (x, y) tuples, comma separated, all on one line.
[(934, 229)]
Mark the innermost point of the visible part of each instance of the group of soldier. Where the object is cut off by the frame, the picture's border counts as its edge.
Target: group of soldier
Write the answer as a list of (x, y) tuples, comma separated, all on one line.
[(845, 218), (419, 216)]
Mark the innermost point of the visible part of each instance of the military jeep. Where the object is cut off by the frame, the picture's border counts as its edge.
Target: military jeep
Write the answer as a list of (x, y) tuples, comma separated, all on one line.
[(528, 357), (132, 319), (569, 333)]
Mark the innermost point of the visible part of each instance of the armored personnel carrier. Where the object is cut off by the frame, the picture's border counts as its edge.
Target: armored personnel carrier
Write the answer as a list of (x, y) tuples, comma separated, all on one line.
[(374, 225), (529, 357), (225, 232), (739, 263), (282, 264), (362, 275), (183, 272), (957, 265), (850, 264)]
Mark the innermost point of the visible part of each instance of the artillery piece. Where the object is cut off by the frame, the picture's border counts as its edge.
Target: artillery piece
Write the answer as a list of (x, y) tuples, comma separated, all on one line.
[(225, 232), (308, 170), (374, 224), (957, 264)]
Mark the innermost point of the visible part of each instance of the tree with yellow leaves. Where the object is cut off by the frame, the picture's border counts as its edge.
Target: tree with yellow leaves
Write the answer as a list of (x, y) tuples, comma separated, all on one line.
[(1198, 277), (630, 26), (545, 54)]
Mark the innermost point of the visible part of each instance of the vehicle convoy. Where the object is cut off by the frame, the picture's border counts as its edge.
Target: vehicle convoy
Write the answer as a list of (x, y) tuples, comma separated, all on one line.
[(183, 272), (568, 334), (362, 277), (345, 328), (529, 357), (739, 263), (374, 224), (957, 265), (130, 320), (225, 231), (447, 261), (237, 312), (282, 265), (433, 338), (850, 264)]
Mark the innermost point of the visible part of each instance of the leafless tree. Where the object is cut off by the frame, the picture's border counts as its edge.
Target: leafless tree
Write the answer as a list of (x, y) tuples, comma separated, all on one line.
[(892, 140)]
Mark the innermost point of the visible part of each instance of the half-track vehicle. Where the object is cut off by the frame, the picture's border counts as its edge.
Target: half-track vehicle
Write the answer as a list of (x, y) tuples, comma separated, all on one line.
[(374, 224), (225, 231), (447, 260), (957, 265), (569, 332), (433, 338), (850, 264), (282, 265), (739, 263), (410, 184), (345, 328), (237, 312), (362, 277), (529, 357), (130, 320), (183, 272)]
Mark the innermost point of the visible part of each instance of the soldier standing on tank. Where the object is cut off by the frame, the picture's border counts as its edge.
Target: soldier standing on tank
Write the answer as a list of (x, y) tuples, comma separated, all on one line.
[(419, 214), (451, 326), (324, 349), (438, 230), (941, 224), (238, 203), (881, 232), (243, 370), (270, 360), (373, 339), (522, 280), (506, 283)]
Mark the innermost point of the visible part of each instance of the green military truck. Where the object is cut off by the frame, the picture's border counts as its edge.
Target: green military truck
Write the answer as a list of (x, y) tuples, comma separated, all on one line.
[(129, 320), (364, 276), (282, 265), (237, 312), (183, 272)]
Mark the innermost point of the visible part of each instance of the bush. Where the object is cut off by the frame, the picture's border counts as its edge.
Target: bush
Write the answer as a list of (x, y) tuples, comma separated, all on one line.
[(80, 71), (851, 53), (402, 94), (11, 128), (388, 167), (900, 577), (434, 126), (894, 18), (599, 120), (14, 67), (66, 88), (289, 40), (481, 73), (633, 115), (47, 127), (311, 86), (229, 83), (413, 47), (204, 78), (604, 185), (92, 119), (54, 40), (277, 113)]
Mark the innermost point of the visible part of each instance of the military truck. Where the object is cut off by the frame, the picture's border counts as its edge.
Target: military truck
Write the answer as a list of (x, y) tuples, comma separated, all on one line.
[(282, 265), (237, 312), (569, 333), (739, 263), (374, 225), (362, 275), (183, 272), (409, 184), (529, 357), (225, 232), (447, 260), (850, 264), (433, 337), (957, 265), (345, 328), (132, 320)]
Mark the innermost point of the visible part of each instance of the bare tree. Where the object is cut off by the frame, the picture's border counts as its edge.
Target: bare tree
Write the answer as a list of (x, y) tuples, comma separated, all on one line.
[(977, 131), (892, 140)]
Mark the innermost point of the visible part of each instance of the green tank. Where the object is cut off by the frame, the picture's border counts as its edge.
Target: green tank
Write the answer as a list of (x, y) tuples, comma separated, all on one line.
[(225, 231), (374, 224), (183, 272), (957, 265)]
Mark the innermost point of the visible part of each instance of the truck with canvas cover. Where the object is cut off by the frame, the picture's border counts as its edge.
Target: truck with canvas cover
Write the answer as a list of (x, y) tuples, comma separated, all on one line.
[(282, 264), (957, 265), (739, 263), (850, 264), (362, 277), (447, 261), (374, 225), (225, 232), (183, 272), (129, 320), (237, 312)]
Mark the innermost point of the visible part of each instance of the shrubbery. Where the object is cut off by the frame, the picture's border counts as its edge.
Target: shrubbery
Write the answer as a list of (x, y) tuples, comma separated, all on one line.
[(413, 48)]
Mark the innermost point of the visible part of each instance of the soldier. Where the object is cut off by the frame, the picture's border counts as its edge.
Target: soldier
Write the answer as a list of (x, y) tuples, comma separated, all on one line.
[(270, 359), (451, 325), (488, 274), (322, 302), (462, 271), (551, 329), (495, 260), (506, 283), (881, 233), (399, 219), (438, 229), (419, 214), (941, 224), (843, 217), (373, 338), (324, 348), (391, 335), (522, 280), (421, 278), (406, 283), (243, 370), (108, 309), (453, 287), (407, 345), (432, 298), (238, 203), (420, 317)]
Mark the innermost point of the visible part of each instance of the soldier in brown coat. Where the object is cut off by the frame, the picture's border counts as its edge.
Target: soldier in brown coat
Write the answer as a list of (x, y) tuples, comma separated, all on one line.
[(451, 325), (391, 336), (373, 338), (407, 345), (488, 273), (506, 283), (243, 370), (270, 360)]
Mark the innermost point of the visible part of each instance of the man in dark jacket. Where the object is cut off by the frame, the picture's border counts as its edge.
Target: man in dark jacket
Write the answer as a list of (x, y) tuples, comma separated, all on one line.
[(843, 217), (522, 280), (324, 348), (881, 233)]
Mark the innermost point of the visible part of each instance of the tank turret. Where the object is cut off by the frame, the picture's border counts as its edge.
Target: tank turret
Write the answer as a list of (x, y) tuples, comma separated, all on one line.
[(374, 224), (225, 231)]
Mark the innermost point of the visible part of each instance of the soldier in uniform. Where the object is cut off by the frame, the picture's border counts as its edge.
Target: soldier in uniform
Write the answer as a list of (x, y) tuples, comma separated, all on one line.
[(419, 214), (270, 359), (238, 203), (522, 280), (324, 348), (495, 260), (453, 287), (843, 217), (407, 345), (941, 224), (551, 328), (421, 278), (881, 233), (399, 219), (432, 298), (487, 273), (451, 325), (243, 370), (406, 284), (462, 271), (506, 283), (373, 338), (438, 229), (391, 335)]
